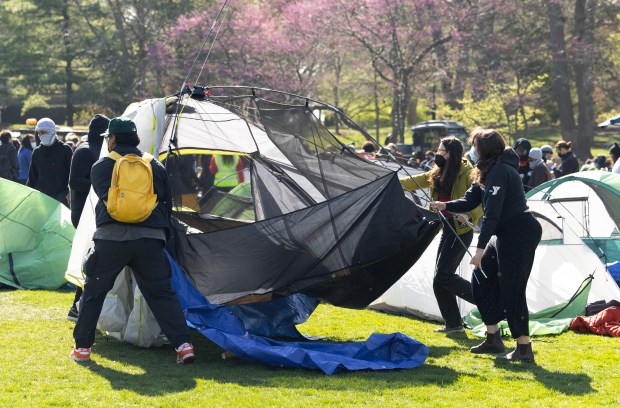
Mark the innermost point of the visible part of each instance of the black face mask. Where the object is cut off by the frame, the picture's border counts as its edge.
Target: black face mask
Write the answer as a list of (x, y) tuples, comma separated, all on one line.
[(440, 160)]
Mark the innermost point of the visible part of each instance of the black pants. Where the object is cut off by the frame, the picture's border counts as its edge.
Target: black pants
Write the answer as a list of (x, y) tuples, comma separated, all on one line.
[(152, 272), (507, 262), (447, 285)]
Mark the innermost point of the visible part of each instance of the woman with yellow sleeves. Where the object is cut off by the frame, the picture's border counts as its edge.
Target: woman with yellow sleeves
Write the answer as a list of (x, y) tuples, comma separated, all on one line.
[(449, 180)]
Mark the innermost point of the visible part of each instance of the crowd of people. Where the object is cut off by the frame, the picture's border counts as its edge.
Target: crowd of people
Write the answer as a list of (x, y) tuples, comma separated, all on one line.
[(537, 165)]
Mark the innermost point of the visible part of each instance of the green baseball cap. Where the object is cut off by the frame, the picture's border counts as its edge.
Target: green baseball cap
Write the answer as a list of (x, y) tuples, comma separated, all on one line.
[(121, 124)]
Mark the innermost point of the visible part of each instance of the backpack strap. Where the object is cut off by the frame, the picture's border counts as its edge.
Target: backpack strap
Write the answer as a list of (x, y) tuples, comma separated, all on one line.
[(114, 155)]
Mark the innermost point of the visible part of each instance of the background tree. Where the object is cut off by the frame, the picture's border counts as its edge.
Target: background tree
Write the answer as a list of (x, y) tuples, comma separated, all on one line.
[(378, 60)]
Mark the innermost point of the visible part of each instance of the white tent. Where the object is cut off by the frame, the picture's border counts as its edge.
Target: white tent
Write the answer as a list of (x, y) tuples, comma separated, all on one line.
[(579, 214), (125, 314)]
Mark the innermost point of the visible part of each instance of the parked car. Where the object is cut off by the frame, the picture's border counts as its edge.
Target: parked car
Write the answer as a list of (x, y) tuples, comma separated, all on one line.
[(426, 135)]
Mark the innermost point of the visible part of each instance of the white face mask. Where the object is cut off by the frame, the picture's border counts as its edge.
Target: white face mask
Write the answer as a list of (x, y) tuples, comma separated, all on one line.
[(33, 144), (473, 156), (47, 139), (535, 163)]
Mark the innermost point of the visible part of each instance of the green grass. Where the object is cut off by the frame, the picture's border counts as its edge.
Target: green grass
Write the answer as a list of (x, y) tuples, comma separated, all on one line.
[(35, 341)]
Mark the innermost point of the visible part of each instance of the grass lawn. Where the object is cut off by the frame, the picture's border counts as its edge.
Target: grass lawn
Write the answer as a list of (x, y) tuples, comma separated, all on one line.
[(35, 341)]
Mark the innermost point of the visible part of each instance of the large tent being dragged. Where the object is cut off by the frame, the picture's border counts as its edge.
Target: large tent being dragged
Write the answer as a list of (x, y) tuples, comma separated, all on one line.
[(325, 222), (309, 219)]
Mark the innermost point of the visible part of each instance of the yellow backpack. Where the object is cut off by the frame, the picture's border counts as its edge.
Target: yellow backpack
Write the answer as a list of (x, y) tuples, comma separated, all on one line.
[(131, 196)]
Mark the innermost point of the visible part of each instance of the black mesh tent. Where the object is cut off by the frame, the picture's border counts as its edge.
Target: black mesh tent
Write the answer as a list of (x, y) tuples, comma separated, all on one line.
[(269, 203)]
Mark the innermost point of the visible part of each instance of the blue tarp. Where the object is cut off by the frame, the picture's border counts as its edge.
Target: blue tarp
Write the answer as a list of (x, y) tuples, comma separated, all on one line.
[(614, 271), (223, 326)]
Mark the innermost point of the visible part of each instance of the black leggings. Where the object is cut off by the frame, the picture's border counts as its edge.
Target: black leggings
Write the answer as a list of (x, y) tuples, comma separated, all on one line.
[(447, 285), (507, 262)]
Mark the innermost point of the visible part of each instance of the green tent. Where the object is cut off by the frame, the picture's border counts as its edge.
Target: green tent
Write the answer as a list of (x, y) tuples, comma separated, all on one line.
[(553, 320), (35, 238)]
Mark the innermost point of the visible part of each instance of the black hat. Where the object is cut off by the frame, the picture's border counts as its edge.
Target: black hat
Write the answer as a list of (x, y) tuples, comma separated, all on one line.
[(98, 124), (523, 142)]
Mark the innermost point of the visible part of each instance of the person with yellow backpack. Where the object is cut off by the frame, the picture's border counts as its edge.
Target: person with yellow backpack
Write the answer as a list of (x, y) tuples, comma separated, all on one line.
[(133, 223)]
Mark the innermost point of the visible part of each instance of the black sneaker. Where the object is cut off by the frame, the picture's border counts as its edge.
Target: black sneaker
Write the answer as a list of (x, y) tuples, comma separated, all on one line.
[(73, 313)]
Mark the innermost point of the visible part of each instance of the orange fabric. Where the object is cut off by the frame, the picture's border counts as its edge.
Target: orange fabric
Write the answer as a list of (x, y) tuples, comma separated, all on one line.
[(606, 323)]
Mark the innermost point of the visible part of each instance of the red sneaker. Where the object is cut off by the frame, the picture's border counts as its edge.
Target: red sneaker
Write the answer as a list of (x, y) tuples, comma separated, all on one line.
[(185, 353), (80, 355)]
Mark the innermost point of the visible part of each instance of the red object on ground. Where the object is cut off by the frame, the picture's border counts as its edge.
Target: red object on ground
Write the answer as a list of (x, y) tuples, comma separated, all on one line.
[(606, 323)]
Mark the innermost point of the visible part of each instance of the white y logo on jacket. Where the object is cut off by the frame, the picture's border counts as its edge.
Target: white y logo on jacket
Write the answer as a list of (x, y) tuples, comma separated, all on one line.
[(495, 190)]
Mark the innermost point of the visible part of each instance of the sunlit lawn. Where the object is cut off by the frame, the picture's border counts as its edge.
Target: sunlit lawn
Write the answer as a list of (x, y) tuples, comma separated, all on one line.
[(35, 341)]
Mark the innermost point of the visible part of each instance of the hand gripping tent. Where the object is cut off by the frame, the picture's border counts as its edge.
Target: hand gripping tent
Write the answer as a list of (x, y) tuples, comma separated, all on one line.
[(303, 218)]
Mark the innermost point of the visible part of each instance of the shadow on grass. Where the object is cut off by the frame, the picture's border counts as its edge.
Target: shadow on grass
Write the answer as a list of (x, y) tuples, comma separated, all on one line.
[(565, 383), (153, 372)]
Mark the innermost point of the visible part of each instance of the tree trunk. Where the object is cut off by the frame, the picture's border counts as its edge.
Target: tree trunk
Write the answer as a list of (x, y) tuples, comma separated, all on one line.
[(124, 63), (69, 63), (559, 69), (583, 64), (400, 107), (375, 88), (336, 89)]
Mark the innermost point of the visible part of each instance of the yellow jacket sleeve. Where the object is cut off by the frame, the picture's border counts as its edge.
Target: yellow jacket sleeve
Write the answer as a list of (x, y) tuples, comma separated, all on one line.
[(415, 182)]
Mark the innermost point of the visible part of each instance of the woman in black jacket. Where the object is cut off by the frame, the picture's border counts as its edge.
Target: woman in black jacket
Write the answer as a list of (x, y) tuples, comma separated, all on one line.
[(503, 266), (569, 164)]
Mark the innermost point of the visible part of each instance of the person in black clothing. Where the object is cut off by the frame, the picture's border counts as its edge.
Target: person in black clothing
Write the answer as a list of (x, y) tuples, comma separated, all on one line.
[(50, 164), (522, 148), (83, 159), (137, 245), (497, 186), (569, 164), (9, 168)]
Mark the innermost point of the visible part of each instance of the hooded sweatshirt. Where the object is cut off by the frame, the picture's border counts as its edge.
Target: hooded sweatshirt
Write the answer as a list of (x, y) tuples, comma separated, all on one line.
[(49, 170), (524, 165), (84, 157), (502, 197), (9, 167), (539, 174)]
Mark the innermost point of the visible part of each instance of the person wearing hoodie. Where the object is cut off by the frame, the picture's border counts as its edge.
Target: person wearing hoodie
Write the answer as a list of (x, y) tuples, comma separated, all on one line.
[(448, 180), (522, 148), (539, 172), (84, 157), (497, 186), (569, 164), (9, 166), (50, 163)]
